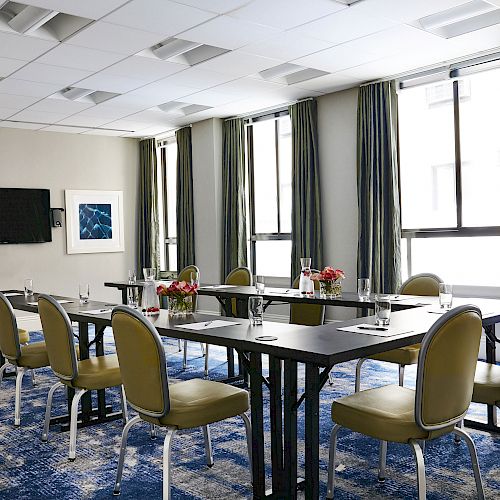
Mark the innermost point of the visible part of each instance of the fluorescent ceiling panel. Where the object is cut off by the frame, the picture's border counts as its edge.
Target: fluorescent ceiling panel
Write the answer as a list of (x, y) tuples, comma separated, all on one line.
[(87, 95), (289, 73), (31, 18), (182, 108), (185, 51), (173, 47)]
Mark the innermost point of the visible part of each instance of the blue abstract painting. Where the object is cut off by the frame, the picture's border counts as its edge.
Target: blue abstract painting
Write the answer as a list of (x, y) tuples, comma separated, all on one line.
[(95, 221)]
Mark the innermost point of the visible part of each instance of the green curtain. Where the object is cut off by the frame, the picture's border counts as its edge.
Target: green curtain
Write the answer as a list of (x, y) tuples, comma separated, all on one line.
[(234, 249), (148, 243), (185, 206), (379, 225), (306, 199)]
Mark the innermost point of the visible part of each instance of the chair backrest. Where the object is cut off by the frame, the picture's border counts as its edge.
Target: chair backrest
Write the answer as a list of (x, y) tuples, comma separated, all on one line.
[(446, 367), (142, 362), (9, 338), (185, 274), (241, 276), (306, 314), (59, 338), (426, 284)]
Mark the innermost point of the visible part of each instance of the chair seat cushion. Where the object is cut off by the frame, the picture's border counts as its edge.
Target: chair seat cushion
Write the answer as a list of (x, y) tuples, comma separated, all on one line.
[(97, 372), (24, 336), (197, 402), (407, 355), (487, 384), (33, 355), (386, 413)]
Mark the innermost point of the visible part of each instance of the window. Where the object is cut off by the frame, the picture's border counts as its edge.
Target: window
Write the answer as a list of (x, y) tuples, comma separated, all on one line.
[(269, 154), (449, 171), (167, 181)]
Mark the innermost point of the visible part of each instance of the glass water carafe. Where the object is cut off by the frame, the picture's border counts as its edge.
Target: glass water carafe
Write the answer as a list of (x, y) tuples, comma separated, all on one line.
[(306, 286)]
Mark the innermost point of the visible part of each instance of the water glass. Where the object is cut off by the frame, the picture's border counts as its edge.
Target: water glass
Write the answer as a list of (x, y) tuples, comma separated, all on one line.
[(260, 285), (364, 289), (382, 310), (84, 292), (445, 295), (149, 273), (132, 278), (28, 287), (195, 278), (133, 297), (255, 310)]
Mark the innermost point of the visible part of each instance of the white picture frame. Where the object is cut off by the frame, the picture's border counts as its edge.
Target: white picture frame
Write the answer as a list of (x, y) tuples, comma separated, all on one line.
[(94, 221)]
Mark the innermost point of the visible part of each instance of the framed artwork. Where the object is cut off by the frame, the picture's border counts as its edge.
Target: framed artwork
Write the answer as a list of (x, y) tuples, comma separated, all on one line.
[(94, 221)]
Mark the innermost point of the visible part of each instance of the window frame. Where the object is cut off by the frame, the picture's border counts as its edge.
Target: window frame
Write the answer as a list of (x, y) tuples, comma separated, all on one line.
[(253, 236)]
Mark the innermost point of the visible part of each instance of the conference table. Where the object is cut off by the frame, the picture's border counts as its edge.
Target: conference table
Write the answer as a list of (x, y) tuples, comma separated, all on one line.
[(319, 348)]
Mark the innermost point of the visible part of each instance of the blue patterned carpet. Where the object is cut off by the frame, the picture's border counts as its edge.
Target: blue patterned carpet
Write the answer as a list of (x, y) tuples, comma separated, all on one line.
[(30, 469)]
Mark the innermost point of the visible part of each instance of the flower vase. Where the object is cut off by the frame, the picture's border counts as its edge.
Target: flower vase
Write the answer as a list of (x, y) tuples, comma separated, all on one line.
[(180, 305), (330, 289)]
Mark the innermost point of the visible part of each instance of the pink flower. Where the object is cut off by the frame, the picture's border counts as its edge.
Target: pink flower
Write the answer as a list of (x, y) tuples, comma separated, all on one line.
[(328, 273), (177, 288)]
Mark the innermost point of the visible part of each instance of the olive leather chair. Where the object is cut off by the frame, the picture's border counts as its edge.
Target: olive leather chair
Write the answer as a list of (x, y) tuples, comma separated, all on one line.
[(306, 314), (17, 352), (183, 405), (445, 381), (487, 385), (425, 284), (100, 372), (241, 276)]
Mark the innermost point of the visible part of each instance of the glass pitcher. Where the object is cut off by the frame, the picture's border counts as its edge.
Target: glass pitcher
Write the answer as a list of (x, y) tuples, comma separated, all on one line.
[(306, 286)]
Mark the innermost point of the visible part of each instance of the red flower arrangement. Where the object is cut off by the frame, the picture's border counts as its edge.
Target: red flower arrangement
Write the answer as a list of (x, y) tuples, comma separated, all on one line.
[(177, 289), (328, 274)]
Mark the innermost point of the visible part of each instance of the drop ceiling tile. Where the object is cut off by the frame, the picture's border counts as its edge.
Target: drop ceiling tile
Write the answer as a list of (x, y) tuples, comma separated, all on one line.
[(67, 130), (110, 83), (344, 26), (23, 87), (92, 9), (144, 68), (336, 58), (45, 73), (134, 101), (198, 78), (21, 47), (107, 112), (151, 117), (248, 87), (14, 124), (211, 97), (330, 83), (286, 14), (109, 133), (8, 66), (287, 46), (158, 16), (217, 6), (228, 33), (72, 56), (114, 38), (239, 63), (28, 115), (16, 102), (6, 112), (79, 120), (161, 91), (126, 125), (66, 106)]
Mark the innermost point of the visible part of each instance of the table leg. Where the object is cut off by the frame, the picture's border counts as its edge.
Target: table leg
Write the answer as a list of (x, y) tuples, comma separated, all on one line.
[(312, 431), (86, 401), (276, 424), (290, 429), (124, 296)]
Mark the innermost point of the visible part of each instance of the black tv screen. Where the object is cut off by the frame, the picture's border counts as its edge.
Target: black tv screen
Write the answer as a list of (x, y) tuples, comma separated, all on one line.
[(24, 215)]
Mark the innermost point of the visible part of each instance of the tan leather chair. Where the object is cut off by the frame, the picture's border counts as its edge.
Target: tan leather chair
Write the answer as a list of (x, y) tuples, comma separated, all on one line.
[(425, 284), (487, 385), (241, 276), (184, 405), (445, 380), (306, 314), (95, 373), (17, 352)]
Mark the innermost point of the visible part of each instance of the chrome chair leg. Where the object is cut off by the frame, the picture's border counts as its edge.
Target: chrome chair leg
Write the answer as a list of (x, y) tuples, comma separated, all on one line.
[(206, 360), (167, 447), (208, 445), (179, 345), (357, 383), (123, 449), (456, 438), (248, 432), (419, 458), (123, 399), (475, 464), (153, 433), (2, 370), (184, 360), (202, 347), (48, 409), (33, 381), (331, 460), (331, 377), (73, 428), (382, 460), (401, 374), (17, 406)]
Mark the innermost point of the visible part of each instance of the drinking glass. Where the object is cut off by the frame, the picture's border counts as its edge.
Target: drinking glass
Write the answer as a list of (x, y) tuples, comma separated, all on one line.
[(132, 278), (195, 278), (364, 289), (445, 295), (133, 297), (255, 310), (149, 273), (84, 292), (259, 284), (382, 309), (28, 287)]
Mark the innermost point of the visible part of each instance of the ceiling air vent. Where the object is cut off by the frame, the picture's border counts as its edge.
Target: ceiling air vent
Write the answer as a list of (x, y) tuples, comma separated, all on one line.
[(289, 73)]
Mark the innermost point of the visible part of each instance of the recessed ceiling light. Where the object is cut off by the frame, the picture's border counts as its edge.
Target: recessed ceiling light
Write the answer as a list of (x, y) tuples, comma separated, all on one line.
[(85, 95), (289, 73), (347, 2), (30, 19), (74, 93), (182, 108), (173, 47)]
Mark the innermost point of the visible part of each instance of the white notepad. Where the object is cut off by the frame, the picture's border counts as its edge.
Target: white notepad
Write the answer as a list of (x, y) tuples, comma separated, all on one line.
[(60, 302), (207, 325), (378, 331), (216, 287), (97, 311), (12, 294)]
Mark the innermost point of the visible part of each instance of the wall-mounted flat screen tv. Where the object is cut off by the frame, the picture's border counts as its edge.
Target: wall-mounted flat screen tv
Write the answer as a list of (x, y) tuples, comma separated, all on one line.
[(25, 215)]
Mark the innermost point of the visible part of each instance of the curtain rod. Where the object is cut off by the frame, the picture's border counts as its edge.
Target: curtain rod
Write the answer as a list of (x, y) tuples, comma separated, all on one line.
[(272, 109)]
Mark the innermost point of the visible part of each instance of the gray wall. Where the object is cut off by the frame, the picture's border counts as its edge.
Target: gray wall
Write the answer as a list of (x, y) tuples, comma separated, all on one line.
[(59, 161)]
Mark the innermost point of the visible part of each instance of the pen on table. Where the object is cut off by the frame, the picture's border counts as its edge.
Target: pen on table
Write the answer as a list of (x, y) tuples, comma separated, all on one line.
[(208, 323), (378, 328)]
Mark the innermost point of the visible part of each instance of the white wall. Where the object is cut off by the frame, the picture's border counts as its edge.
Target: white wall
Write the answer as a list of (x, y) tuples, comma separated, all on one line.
[(33, 159)]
